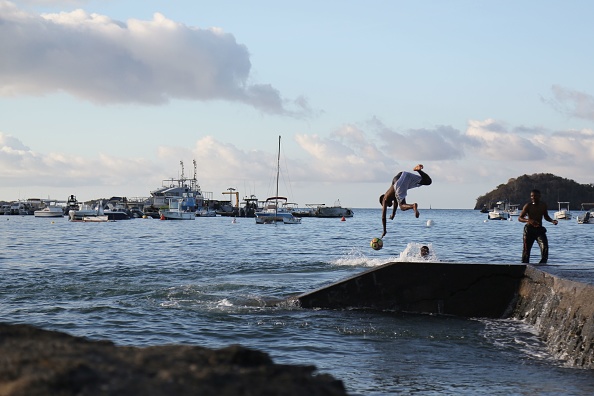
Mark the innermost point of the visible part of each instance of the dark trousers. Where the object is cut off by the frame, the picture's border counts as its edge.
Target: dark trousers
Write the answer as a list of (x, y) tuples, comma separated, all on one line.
[(538, 234), (425, 179)]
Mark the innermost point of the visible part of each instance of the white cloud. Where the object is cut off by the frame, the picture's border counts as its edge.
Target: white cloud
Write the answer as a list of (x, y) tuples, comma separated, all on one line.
[(352, 158), (496, 143), (438, 144), (104, 61), (572, 103), (20, 167)]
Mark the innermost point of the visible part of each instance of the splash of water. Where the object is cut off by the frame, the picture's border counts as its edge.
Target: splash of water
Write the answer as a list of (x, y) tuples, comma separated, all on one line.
[(412, 253)]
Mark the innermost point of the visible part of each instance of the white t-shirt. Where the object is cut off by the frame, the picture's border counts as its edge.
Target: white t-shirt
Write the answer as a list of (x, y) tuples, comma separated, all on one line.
[(405, 182)]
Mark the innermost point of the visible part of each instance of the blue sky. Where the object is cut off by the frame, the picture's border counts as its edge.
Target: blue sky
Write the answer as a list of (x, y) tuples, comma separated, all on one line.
[(104, 98)]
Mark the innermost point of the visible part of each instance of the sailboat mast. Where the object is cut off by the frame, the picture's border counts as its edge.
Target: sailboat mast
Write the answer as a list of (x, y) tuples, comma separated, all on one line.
[(277, 174)]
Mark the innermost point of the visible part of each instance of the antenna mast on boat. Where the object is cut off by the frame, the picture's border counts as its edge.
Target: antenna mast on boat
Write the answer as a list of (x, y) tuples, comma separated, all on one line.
[(182, 179), (195, 175)]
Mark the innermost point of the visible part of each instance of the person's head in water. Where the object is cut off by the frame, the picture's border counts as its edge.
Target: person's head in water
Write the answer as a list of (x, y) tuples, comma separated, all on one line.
[(424, 251)]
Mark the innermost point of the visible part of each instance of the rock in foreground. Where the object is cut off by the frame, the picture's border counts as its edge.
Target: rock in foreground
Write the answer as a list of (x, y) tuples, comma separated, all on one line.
[(39, 362)]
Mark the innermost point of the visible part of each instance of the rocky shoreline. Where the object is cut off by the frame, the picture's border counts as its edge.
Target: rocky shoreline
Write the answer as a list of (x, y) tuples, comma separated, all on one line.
[(34, 362)]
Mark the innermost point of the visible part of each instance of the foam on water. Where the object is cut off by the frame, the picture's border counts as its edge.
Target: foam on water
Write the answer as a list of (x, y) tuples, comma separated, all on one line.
[(412, 253)]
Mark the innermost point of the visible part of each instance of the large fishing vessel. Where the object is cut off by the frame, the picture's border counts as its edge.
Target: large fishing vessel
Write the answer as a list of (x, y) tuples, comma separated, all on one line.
[(176, 189)]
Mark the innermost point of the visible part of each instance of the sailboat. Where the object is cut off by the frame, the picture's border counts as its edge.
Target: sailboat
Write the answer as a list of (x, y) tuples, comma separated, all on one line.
[(275, 208)]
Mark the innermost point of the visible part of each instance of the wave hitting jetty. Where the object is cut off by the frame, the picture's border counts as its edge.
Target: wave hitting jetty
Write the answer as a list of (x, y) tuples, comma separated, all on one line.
[(561, 310)]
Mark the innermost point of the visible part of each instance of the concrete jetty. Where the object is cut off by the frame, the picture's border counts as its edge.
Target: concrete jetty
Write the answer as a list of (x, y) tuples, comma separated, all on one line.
[(561, 310)]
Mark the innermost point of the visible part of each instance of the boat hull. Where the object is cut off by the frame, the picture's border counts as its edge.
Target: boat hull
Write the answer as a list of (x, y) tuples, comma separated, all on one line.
[(333, 211), (498, 216), (49, 212), (174, 215)]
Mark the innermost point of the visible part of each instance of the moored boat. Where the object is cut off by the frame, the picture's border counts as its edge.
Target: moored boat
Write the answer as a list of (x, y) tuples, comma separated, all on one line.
[(275, 208), (499, 212), (588, 216), (514, 210), (563, 213), (174, 189), (88, 214), (183, 208), (49, 211), (333, 211)]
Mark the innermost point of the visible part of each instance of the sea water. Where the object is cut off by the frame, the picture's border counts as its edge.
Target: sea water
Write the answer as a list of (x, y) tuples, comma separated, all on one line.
[(212, 282)]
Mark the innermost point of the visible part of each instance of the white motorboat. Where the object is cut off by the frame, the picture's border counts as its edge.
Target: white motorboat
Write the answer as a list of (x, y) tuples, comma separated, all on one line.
[(586, 218), (94, 219), (87, 213), (292, 220), (180, 208), (499, 212), (49, 211), (563, 213), (206, 212), (514, 210), (588, 214), (84, 210)]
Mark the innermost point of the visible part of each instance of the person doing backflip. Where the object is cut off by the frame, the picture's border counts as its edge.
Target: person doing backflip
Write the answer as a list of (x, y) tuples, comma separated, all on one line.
[(532, 215), (401, 183)]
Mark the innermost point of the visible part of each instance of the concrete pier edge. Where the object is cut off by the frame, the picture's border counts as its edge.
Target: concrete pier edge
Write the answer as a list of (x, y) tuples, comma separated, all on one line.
[(561, 310)]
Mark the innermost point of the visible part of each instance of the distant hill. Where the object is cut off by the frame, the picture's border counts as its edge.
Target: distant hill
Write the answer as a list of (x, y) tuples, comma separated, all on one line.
[(553, 189)]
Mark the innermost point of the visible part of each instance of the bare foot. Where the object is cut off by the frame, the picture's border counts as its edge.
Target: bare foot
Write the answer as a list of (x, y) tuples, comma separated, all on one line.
[(417, 214), (418, 168)]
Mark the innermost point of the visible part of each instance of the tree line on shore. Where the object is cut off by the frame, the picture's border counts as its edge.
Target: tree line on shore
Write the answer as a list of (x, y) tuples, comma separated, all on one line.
[(554, 189)]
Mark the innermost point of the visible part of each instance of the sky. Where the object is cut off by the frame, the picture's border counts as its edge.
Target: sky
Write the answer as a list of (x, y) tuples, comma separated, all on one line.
[(105, 98)]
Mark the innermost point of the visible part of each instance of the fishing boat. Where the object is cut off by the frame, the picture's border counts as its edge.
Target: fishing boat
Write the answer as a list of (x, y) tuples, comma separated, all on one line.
[(174, 189), (588, 216), (563, 213), (183, 208), (499, 212), (275, 208)]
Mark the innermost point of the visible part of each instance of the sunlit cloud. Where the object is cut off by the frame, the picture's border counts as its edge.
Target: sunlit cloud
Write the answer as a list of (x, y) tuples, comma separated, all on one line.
[(495, 142), (352, 155), (105, 61)]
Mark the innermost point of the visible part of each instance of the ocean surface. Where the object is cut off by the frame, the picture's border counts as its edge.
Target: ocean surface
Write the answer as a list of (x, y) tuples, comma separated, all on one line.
[(210, 282)]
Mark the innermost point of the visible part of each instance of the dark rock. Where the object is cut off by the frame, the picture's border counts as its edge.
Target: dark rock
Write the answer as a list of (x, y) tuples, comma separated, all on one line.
[(39, 362)]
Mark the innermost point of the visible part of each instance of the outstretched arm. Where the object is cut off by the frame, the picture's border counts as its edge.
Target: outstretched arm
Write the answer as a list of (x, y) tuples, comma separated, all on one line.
[(547, 217), (384, 210)]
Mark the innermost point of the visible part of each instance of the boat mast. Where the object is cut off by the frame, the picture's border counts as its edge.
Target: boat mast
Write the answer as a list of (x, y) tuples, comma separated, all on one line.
[(277, 173)]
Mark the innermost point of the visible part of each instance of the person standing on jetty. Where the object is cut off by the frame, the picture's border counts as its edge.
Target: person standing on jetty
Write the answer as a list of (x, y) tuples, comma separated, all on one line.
[(401, 183), (532, 215)]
